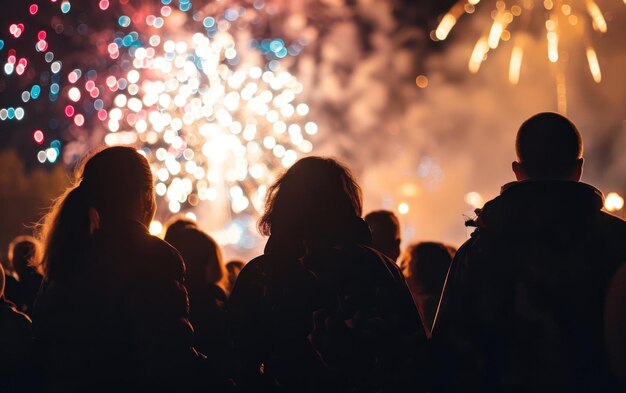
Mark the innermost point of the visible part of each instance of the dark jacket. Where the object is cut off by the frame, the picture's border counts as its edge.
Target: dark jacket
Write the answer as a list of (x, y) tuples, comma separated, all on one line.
[(337, 317), (23, 292), (207, 313), (522, 308), (121, 322), (16, 371)]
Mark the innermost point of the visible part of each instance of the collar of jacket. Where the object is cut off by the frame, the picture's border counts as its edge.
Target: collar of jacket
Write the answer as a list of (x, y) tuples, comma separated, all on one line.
[(548, 198), (286, 245), (123, 228)]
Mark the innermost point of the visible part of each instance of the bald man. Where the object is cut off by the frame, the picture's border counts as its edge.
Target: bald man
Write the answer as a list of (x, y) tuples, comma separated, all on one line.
[(523, 308)]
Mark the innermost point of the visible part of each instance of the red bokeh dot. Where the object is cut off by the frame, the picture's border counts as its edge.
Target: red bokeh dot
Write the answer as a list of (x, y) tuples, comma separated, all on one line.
[(102, 115), (33, 9), (38, 136), (69, 111)]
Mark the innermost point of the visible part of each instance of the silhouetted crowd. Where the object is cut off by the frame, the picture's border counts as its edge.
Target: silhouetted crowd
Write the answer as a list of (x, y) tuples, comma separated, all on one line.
[(534, 301)]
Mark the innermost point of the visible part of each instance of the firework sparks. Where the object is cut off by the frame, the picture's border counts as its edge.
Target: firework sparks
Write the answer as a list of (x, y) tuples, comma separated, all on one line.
[(210, 132), (214, 121), (561, 18)]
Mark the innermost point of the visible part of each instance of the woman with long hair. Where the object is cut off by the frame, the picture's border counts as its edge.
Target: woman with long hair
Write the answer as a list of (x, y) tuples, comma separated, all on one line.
[(320, 310), (112, 312)]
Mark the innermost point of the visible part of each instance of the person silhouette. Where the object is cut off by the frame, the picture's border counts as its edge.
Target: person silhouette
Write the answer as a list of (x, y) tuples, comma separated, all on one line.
[(320, 310), (427, 265), (523, 304), (23, 252), (233, 268), (205, 282), (15, 344), (112, 314), (385, 228)]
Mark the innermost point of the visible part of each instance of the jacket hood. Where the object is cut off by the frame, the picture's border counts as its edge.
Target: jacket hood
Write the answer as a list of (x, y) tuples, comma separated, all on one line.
[(540, 206)]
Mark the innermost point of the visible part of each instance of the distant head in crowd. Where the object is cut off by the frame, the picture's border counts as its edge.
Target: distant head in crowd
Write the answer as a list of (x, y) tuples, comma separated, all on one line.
[(427, 265), (23, 253), (548, 146), (233, 268), (315, 197), (111, 188), (385, 228), (201, 253)]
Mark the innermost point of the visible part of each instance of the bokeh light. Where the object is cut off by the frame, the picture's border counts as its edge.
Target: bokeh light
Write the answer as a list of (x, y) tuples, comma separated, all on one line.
[(474, 199), (613, 202)]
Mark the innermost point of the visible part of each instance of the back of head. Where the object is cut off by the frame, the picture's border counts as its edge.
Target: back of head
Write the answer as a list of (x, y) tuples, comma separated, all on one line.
[(314, 196), (176, 224), (385, 228), (428, 265), (201, 253), (234, 266), (548, 146), (23, 251), (112, 188)]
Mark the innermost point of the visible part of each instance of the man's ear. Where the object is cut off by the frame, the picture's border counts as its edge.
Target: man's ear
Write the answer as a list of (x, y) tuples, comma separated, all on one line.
[(577, 174), (518, 169), (94, 220)]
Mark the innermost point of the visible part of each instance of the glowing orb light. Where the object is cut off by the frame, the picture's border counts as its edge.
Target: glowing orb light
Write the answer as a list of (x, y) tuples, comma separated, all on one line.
[(474, 199), (613, 202)]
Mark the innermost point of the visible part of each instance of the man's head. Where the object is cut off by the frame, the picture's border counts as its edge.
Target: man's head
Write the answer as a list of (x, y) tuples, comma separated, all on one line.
[(548, 146), (385, 229), (23, 254)]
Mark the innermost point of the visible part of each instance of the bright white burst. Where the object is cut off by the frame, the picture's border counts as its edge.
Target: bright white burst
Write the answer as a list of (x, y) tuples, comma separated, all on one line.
[(211, 132)]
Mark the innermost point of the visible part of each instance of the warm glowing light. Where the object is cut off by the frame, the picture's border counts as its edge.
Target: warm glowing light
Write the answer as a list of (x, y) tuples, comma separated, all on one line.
[(613, 202), (446, 24), (403, 208), (421, 81), (478, 55), (562, 16), (595, 13), (594, 66), (155, 228), (553, 39), (474, 199), (410, 190), (516, 64), (495, 33)]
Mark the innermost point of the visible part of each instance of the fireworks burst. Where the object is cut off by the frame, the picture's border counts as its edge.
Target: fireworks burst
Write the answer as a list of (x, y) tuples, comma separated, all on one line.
[(216, 121), (58, 58), (210, 132), (560, 17)]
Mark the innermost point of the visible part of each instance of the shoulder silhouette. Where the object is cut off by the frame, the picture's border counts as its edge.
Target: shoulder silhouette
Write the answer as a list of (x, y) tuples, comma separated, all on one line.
[(523, 306), (112, 314), (321, 310)]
